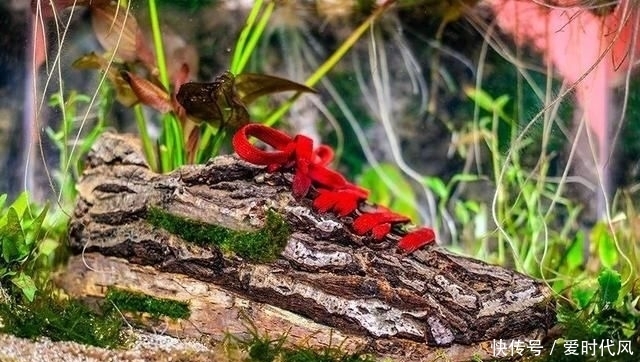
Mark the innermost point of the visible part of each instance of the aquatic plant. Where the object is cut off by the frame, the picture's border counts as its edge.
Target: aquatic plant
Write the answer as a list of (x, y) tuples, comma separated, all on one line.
[(521, 217)]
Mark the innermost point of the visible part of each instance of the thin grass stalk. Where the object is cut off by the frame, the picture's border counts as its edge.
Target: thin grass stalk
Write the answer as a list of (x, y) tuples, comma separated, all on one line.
[(330, 62), (246, 44), (157, 43), (165, 160), (244, 35), (147, 145), (255, 35), (500, 193), (210, 145), (202, 153), (172, 137)]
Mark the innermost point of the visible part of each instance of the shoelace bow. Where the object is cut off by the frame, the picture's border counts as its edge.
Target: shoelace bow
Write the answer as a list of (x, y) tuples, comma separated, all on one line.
[(334, 192)]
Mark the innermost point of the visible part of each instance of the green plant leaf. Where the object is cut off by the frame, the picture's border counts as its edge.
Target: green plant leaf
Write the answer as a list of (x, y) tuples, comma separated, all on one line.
[(55, 137), (5, 272), (399, 197), (575, 254), (378, 192), (47, 246), (436, 185), (582, 295), (481, 98), (465, 177), (485, 101), (26, 285), (19, 205), (14, 247), (501, 102), (462, 213), (3, 198), (610, 284), (32, 230), (473, 206), (607, 251), (90, 139), (251, 32)]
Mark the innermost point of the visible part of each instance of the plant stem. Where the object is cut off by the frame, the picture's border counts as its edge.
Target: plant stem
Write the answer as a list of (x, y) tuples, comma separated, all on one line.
[(176, 142), (144, 136), (331, 62), (165, 159), (172, 138), (244, 35), (497, 165), (205, 144), (157, 43), (255, 36), (250, 35)]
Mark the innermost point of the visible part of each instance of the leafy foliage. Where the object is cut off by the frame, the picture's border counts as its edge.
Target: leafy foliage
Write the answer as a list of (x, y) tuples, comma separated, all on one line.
[(71, 153), (20, 236), (532, 237), (31, 309), (601, 311)]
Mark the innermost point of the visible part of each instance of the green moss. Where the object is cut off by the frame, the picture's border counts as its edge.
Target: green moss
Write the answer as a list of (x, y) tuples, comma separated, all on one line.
[(264, 245), (264, 349), (324, 355), (138, 302), (61, 320), (71, 320), (260, 347)]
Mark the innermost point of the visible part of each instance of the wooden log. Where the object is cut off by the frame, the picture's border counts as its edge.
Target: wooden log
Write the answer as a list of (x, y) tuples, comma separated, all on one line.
[(385, 302)]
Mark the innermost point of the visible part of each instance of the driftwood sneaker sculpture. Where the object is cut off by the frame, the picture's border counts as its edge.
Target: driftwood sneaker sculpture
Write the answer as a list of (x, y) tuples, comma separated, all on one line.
[(278, 237)]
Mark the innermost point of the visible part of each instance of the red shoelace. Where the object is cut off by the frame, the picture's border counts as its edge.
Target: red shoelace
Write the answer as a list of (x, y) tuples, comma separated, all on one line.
[(334, 192)]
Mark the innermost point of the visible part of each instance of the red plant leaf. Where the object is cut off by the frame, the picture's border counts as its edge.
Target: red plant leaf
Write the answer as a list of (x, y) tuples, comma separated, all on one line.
[(380, 231), (116, 29), (148, 93), (416, 240), (343, 202), (145, 54), (367, 222)]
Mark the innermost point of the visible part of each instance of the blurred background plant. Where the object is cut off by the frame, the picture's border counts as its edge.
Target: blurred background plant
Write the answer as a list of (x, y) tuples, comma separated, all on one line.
[(428, 105)]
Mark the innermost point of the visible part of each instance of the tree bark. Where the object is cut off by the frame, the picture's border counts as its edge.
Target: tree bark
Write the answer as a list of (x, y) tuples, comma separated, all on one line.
[(328, 284)]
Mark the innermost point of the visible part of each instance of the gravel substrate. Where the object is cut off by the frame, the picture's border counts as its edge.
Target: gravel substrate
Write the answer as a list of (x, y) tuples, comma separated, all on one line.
[(147, 347)]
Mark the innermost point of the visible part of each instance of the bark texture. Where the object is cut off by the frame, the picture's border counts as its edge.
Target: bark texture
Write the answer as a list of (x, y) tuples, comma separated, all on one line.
[(326, 278)]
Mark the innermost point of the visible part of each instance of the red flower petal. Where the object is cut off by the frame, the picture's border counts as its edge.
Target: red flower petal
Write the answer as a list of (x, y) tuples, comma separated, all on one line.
[(366, 222), (335, 193), (343, 202), (416, 240), (380, 231)]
